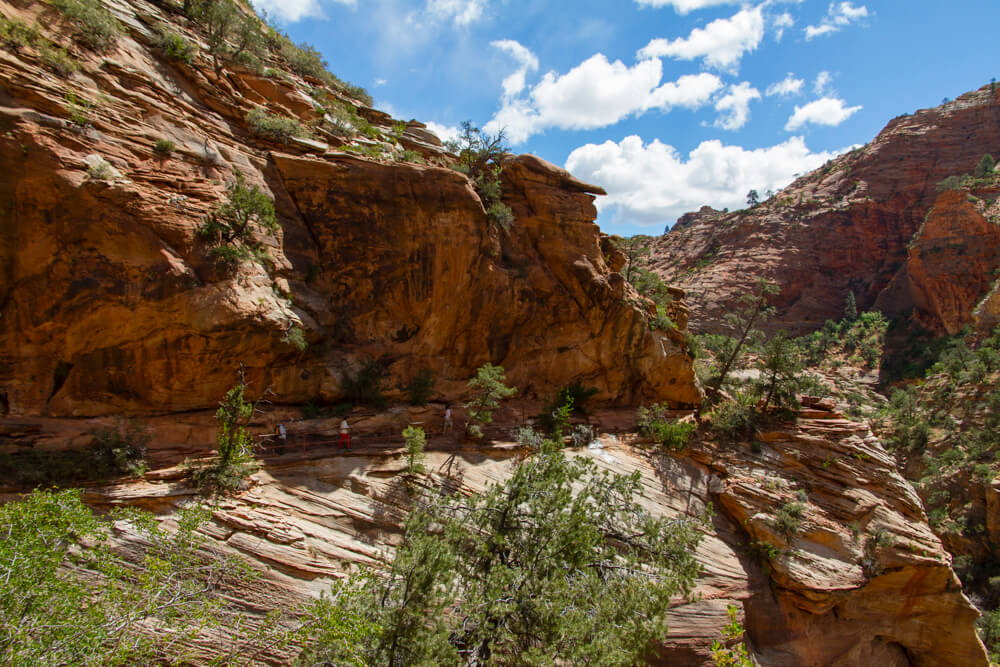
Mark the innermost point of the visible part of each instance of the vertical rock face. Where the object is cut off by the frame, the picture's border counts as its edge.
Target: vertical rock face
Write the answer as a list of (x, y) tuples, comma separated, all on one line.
[(847, 227), (951, 262), (110, 300)]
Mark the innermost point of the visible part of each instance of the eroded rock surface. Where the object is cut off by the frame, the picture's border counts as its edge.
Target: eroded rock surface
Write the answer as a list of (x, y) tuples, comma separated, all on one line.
[(110, 301), (862, 577), (847, 227)]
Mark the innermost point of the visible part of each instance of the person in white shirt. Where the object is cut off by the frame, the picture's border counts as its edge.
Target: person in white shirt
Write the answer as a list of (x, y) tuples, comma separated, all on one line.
[(282, 438), (345, 434), (446, 427)]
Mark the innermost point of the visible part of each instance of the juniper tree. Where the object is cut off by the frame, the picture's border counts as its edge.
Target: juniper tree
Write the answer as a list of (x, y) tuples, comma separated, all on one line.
[(560, 564), (753, 309)]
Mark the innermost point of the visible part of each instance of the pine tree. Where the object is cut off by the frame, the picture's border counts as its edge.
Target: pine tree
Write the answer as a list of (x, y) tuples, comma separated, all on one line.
[(850, 307)]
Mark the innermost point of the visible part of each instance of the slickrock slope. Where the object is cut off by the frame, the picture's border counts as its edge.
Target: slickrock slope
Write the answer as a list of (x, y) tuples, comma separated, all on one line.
[(848, 226), (863, 580), (110, 302)]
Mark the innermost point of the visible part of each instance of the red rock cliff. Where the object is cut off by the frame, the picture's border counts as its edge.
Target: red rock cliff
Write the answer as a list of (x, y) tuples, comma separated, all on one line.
[(109, 301), (847, 227)]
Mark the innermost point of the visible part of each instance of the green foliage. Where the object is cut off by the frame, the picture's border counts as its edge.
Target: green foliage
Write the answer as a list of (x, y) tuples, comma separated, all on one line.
[(421, 387), (369, 385), (753, 199), (788, 518), (79, 109), (340, 629), (296, 338), (861, 339), (414, 156), (232, 229), (67, 597), (988, 626), (164, 147), (234, 463), (57, 59), (874, 544), (729, 653), (480, 157), (636, 250), (908, 428), (94, 24), (780, 372), (358, 93), (488, 390), (415, 438), (950, 183), (752, 309), (654, 422), (16, 34), (850, 307), (176, 47), (559, 562), (736, 419), (984, 167), (577, 395), (121, 449), (274, 127)]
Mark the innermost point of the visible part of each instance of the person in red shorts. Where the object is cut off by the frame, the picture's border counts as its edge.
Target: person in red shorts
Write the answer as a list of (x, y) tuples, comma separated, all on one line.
[(345, 434)]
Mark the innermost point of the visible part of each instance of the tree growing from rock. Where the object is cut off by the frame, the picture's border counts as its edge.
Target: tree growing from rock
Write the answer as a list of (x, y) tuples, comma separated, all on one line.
[(234, 227), (753, 198), (753, 309), (488, 390), (480, 157)]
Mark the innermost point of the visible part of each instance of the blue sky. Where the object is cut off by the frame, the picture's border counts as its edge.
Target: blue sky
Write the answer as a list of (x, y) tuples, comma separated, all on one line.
[(667, 104)]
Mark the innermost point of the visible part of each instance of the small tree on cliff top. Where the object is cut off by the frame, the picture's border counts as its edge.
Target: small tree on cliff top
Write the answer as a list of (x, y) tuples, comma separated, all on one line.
[(480, 157)]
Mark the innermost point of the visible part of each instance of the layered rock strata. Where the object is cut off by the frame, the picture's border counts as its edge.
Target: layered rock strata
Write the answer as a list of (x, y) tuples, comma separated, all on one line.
[(110, 301), (848, 226)]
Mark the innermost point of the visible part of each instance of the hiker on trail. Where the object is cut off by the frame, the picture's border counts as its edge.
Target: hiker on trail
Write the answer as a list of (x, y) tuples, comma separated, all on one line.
[(446, 427), (345, 434), (282, 437)]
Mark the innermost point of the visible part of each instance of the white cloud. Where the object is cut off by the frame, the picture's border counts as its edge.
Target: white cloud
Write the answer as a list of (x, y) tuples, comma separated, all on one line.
[(825, 111), (685, 6), (838, 16), (597, 93), (780, 23), (786, 87), (527, 60), (652, 184), (380, 82), (735, 106), (821, 86), (459, 12), (721, 43), (444, 132), (294, 10)]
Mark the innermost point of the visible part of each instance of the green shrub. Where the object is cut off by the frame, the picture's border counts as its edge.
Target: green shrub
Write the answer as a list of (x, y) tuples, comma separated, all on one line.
[(736, 419), (500, 214), (79, 600), (296, 338), (368, 385), (413, 156), (358, 93), (234, 462), (788, 518), (733, 651), (79, 109), (421, 387), (121, 449), (984, 167), (176, 47), (16, 34), (164, 147), (232, 229), (480, 157), (57, 59), (95, 25), (661, 320), (654, 423), (274, 127)]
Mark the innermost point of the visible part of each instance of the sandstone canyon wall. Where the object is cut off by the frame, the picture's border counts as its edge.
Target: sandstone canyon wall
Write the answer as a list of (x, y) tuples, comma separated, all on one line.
[(109, 301), (854, 225)]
